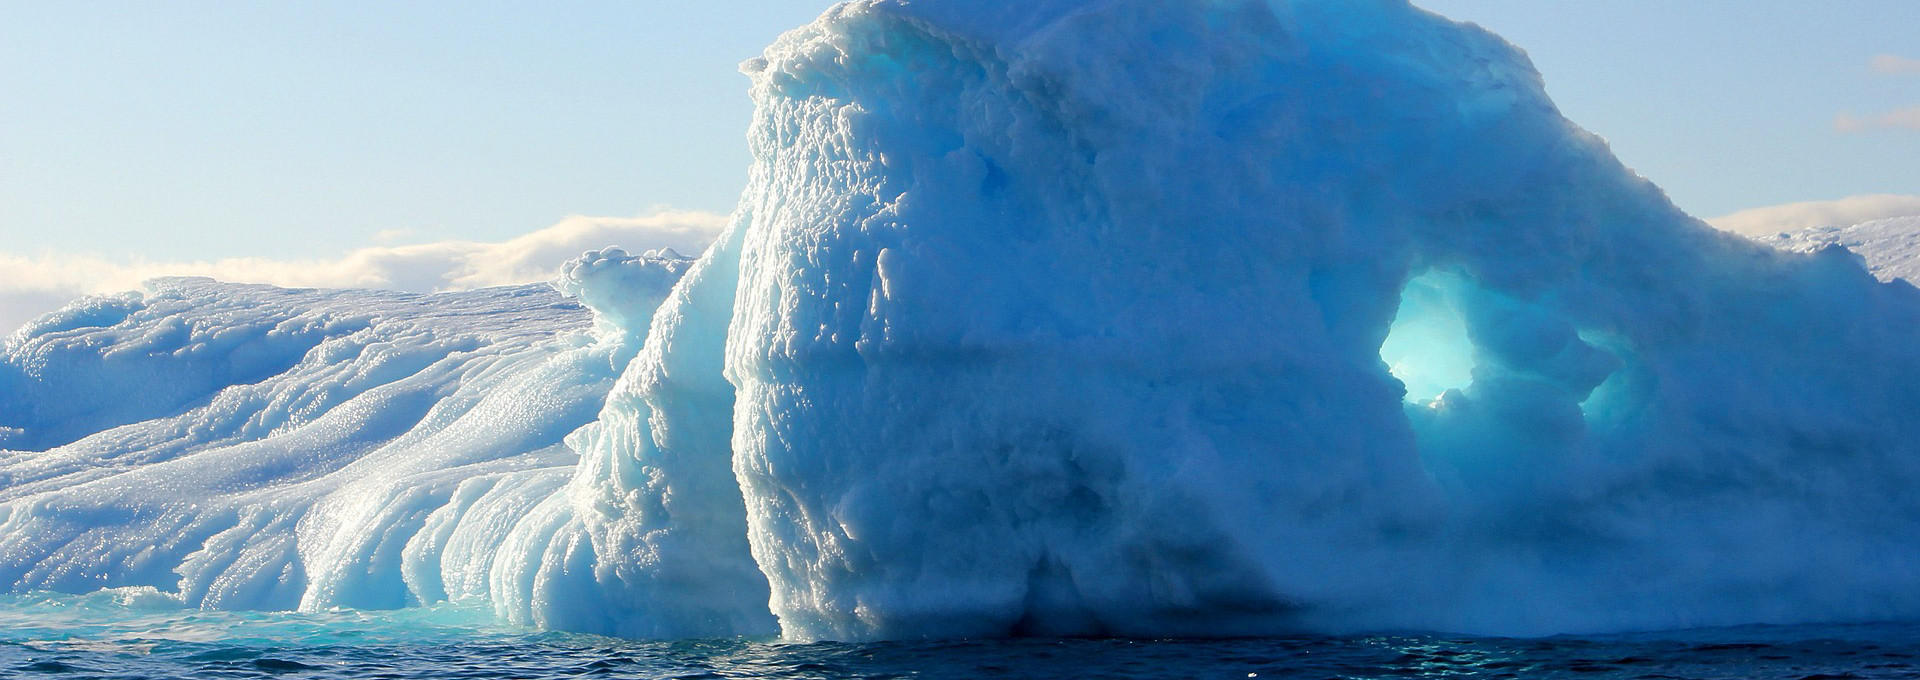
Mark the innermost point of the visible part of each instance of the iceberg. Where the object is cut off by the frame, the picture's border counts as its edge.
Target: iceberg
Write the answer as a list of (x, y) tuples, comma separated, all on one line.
[(1058, 317)]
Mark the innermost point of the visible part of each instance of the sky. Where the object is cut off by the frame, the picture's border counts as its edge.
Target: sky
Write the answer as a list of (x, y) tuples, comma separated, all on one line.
[(331, 142), (1732, 105)]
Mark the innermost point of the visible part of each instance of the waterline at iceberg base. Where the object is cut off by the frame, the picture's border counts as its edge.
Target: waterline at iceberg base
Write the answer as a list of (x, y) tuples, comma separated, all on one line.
[(1058, 317)]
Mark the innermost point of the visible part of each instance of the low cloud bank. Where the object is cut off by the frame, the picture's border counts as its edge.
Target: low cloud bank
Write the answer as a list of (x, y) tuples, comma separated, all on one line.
[(34, 285), (1796, 216)]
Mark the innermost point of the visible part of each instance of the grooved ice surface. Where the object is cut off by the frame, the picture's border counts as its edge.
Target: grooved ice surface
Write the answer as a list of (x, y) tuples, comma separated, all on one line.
[(251, 447), (1127, 317), (260, 447)]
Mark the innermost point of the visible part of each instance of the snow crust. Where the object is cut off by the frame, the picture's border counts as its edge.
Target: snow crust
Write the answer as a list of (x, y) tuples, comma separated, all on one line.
[(1121, 317), (1890, 247)]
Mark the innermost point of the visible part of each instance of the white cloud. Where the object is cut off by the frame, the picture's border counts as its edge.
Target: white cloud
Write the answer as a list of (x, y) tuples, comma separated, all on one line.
[(1896, 65), (535, 256), (34, 285), (1903, 119), (1897, 120), (1796, 216), (392, 236), (1900, 119)]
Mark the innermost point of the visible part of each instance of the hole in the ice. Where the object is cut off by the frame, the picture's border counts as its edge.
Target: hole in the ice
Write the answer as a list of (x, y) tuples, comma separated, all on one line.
[(1427, 348), (1603, 397)]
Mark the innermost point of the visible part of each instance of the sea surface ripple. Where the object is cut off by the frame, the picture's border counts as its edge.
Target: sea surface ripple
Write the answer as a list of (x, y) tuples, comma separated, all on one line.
[(127, 636)]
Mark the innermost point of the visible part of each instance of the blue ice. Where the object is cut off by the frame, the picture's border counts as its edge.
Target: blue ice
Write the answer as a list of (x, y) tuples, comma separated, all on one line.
[(1084, 317)]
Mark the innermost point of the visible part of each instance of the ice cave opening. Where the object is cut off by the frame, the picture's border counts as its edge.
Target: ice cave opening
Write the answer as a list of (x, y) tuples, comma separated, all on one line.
[(1427, 348)]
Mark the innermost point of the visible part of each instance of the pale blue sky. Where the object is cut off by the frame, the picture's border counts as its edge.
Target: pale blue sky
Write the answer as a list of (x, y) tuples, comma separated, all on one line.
[(297, 128)]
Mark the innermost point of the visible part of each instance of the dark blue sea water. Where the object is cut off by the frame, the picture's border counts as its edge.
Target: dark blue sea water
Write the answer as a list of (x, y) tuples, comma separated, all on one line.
[(118, 636)]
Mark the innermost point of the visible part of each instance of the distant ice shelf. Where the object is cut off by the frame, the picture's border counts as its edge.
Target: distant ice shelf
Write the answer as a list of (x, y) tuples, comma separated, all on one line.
[(1890, 247)]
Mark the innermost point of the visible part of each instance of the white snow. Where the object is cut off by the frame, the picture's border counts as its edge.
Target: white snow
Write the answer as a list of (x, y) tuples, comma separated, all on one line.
[(1061, 317), (245, 446), (1890, 247), (255, 447)]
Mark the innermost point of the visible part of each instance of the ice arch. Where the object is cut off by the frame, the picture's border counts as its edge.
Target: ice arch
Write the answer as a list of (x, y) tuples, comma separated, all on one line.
[(1067, 317)]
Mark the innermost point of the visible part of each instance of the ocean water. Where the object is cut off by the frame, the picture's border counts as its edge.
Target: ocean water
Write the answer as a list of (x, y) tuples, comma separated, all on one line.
[(134, 634)]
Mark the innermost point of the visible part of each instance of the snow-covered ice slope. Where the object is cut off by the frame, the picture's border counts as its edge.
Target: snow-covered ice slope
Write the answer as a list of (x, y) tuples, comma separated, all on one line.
[(259, 447), (1053, 316), (1891, 247), (255, 447)]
